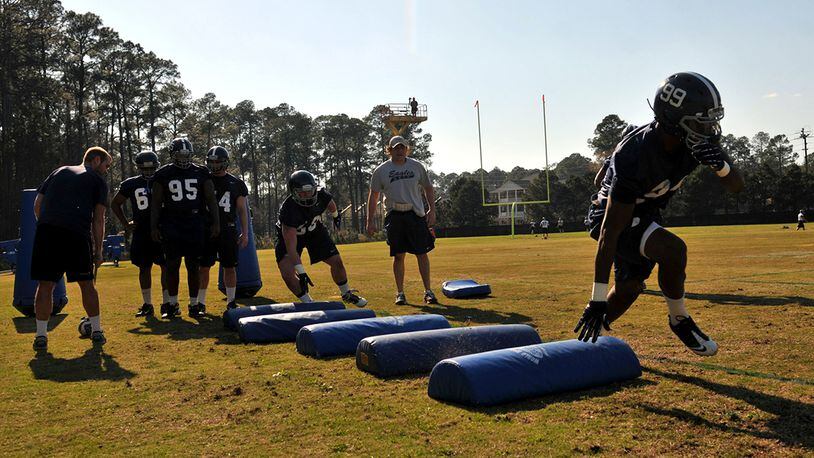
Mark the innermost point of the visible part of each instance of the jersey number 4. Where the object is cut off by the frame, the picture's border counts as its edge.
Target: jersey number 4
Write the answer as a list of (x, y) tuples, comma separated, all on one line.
[(225, 202), (189, 189)]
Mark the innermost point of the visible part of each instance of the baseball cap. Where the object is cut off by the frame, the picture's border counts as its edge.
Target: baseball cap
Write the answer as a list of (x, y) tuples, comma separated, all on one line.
[(396, 140)]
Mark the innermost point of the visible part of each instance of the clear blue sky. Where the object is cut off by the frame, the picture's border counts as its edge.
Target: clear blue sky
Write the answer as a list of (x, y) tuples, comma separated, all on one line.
[(590, 59)]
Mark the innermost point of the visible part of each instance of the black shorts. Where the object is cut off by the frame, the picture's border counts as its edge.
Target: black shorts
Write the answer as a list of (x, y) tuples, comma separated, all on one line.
[(629, 261), (408, 233), (222, 248), (60, 251), (801, 225), (182, 238), (318, 242), (144, 252)]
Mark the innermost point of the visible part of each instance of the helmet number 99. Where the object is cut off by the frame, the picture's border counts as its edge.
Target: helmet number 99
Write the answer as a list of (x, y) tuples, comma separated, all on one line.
[(672, 95)]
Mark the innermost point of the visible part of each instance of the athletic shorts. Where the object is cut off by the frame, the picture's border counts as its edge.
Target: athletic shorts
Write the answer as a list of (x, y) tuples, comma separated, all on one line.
[(801, 225), (318, 243), (60, 251), (182, 238), (629, 261), (408, 233), (144, 252), (222, 248)]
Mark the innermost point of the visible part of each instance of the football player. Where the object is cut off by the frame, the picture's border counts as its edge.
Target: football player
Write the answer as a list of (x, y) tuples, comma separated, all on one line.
[(180, 191), (544, 227), (230, 193), (299, 226), (646, 169), (801, 220), (144, 252)]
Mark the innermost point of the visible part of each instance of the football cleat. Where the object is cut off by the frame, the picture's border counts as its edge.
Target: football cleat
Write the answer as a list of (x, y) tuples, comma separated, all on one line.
[(231, 305), (354, 299), (693, 338), (170, 310), (146, 310), (401, 299), (429, 297), (98, 338), (40, 343), (197, 310)]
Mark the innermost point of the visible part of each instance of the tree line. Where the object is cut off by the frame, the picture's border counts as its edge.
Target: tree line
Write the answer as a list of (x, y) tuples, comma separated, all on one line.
[(68, 82)]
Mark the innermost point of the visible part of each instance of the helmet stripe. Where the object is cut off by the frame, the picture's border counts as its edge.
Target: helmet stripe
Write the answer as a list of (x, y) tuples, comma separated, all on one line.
[(710, 86)]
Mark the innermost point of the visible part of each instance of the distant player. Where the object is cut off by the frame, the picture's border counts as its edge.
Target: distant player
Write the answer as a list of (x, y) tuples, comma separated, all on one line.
[(646, 169), (801, 220), (533, 227), (181, 190), (230, 193), (405, 183), (560, 225), (299, 226), (544, 227), (144, 252), (70, 210)]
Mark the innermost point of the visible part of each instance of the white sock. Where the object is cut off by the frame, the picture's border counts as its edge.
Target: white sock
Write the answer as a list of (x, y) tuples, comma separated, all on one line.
[(146, 295), (173, 299), (165, 296), (306, 298), (95, 323), (676, 308), (202, 295), (344, 288), (193, 300), (230, 293), (42, 328)]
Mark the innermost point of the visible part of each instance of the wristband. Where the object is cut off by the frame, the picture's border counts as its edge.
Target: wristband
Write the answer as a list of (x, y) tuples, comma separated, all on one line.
[(599, 292), (335, 214), (724, 170), (299, 268)]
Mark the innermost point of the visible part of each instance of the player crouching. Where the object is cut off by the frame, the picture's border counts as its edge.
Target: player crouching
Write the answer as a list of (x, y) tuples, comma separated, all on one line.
[(299, 226), (230, 193)]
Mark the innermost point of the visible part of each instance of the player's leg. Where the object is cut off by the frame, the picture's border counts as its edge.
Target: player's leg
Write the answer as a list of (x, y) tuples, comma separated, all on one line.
[(90, 302), (142, 256), (670, 253), (287, 272), (207, 260), (424, 269), (228, 256), (170, 308), (340, 277), (420, 241), (193, 250), (621, 296)]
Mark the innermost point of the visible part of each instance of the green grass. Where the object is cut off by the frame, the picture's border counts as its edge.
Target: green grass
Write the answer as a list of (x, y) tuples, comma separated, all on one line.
[(192, 388)]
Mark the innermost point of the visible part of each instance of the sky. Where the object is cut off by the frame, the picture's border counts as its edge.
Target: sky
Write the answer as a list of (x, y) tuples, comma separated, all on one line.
[(589, 59)]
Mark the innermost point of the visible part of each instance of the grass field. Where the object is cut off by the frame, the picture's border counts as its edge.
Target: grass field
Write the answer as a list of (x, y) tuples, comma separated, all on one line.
[(191, 388)]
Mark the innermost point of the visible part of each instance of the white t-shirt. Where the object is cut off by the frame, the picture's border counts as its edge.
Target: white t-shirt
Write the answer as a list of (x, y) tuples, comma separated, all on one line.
[(402, 185), (801, 218), (544, 224)]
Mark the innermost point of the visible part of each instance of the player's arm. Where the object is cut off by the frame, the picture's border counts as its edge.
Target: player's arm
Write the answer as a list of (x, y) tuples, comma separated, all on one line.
[(600, 175), (333, 210), (212, 205), (290, 240), (155, 210), (38, 204), (98, 229), (116, 207), (243, 214), (429, 192), (372, 198)]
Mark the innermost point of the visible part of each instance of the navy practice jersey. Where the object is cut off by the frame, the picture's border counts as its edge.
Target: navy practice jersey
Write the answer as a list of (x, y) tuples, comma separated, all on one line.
[(227, 189), (304, 219), (71, 194), (641, 172), (139, 191), (183, 189)]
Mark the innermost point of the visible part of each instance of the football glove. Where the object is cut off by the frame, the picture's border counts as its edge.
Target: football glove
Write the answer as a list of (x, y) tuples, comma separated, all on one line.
[(337, 221), (593, 319), (709, 154), (304, 282)]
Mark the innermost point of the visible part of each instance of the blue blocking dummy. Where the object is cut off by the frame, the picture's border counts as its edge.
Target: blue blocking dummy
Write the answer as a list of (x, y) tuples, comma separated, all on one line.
[(334, 339), (461, 289), (500, 376), (231, 316), (283, 327), (24, 287), (418, 352), (248, 268)]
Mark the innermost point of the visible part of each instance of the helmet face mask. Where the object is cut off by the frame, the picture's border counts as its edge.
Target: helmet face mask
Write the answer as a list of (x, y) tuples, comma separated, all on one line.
[(147, 163), (217, 159), (181, 151), (303, 188), (688, 105)]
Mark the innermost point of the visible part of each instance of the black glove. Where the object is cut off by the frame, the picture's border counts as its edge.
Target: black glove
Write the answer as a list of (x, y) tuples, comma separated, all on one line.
[(304, 282), (593, 319), (709, 154), (337, 221)]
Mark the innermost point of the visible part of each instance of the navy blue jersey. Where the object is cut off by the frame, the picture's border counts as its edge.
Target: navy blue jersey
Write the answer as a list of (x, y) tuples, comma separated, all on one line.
[(139, 191), (71, 195), (183, 189), (304, 219), (641, 172), (227, 189)]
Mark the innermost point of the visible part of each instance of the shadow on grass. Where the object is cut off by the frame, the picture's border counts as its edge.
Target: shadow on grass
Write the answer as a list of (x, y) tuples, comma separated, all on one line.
[(545, 401), (257, 300), (732, 370), (470, 315), (206, 327), (26, 325), (94, 364), (741, 299), (791, 425)]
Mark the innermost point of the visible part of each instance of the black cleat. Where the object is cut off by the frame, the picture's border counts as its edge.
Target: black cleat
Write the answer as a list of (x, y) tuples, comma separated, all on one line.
[(429, 297), (352, 298), (40, 343), (146, 310), (231, 305), (170, 310), (98, 338), (401, 299), (197, 310), (693, 338)]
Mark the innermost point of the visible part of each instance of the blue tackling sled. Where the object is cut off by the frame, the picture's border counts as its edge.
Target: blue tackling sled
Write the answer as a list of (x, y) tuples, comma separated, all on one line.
[(461, 289)]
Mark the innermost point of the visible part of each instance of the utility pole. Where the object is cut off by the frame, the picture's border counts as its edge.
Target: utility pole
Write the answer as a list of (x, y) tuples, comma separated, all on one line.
[(804, 135)]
